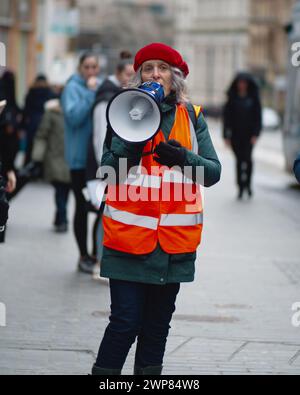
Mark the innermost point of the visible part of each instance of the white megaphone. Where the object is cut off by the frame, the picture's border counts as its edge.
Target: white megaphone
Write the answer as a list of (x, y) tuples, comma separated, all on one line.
[(134, 114)]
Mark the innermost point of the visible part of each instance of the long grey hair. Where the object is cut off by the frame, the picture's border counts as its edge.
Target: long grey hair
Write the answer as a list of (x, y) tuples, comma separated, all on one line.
[(179, 86)]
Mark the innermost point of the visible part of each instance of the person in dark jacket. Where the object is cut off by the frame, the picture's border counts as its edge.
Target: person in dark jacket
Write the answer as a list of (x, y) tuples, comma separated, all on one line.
[(297, 168), (48, 150), (242, 123), (10, 116), (4, 207), (37, 96), (10, 119), (110, 87)]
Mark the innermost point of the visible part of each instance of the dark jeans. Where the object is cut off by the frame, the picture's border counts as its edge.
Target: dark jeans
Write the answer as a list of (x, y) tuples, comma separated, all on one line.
[(61, 200), (29, 147), (142, 311)]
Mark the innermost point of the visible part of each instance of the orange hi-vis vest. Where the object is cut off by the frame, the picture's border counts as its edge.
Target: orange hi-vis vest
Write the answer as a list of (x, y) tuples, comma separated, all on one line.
[(160, 205)]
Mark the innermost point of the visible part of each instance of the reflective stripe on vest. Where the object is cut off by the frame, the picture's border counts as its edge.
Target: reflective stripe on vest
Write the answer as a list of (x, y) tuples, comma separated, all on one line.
[(130, 219), (176, 177), (137, 226), (181, 219), (143, 180), (152, 223)]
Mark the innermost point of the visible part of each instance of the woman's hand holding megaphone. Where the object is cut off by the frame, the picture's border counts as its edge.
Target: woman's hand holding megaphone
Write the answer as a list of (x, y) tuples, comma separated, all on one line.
[(170, 154)]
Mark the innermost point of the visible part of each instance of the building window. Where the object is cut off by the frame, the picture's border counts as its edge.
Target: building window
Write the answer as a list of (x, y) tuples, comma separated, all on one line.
[(157, 9), (5, 12), (4, 37), (24, 11)]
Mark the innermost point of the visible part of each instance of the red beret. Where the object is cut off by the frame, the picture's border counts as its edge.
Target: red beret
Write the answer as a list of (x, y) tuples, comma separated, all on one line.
[(162, 52)]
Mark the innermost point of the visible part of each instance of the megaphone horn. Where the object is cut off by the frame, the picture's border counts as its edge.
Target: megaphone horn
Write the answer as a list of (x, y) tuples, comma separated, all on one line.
[(134, 114)]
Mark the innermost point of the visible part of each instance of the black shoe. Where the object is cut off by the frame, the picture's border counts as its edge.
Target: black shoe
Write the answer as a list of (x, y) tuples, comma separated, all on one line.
[(250, 193), (148, 371), (86, 265), (241, 193), (96, 371), (61, 228), (93, 258)]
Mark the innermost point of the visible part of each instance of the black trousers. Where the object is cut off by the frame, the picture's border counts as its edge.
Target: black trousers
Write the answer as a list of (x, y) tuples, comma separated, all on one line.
[(244, 162), (61, 200), (2, 237), (80, 223)]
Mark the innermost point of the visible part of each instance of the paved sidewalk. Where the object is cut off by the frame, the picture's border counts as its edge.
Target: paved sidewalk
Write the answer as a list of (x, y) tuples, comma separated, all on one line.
[(236, 318)]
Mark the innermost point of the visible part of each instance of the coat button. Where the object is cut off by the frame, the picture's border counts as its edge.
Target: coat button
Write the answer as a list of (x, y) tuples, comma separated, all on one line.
[(162, 280)]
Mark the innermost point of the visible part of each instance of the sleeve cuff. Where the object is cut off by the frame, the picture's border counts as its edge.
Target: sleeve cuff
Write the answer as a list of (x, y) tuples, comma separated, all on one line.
[(189, 157)]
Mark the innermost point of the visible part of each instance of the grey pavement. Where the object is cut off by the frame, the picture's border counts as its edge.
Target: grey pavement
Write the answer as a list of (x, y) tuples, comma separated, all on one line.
[(236, 318)]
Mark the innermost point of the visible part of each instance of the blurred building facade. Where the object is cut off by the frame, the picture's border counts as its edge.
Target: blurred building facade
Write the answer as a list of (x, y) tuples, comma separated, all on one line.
[(111, 26), (36, 34), (217, 37), (18, 33), (221, 37), (213, 36), (57, 24), (268, 53)]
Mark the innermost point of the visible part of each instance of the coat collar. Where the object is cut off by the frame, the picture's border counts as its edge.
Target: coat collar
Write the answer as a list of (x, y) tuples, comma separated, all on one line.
[(169, 103)]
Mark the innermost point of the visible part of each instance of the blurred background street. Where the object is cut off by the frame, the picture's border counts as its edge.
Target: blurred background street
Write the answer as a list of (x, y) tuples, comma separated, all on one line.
[(236, 317)]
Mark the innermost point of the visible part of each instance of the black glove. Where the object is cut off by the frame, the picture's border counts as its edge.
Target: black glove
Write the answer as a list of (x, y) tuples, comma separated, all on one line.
[(3, 205), (170, 154)]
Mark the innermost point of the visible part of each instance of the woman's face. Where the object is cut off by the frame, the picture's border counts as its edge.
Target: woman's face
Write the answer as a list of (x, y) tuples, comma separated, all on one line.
[(125, 76), (158, 71), (89, 68), (242, 87)]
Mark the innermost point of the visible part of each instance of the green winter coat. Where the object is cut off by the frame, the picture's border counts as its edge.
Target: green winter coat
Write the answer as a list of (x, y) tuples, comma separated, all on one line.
[(49, 144), (158, 267)]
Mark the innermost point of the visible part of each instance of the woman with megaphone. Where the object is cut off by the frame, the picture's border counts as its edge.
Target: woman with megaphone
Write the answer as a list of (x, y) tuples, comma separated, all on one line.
[(150, 242)]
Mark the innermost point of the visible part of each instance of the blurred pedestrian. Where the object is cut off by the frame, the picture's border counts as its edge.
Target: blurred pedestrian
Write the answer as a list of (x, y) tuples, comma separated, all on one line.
[(77, 102), (9, 112), (48, 152), (111, 86), (242, 124), (39, 93), (10, 120), (297, 168), (4, 206), (150, 246)]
